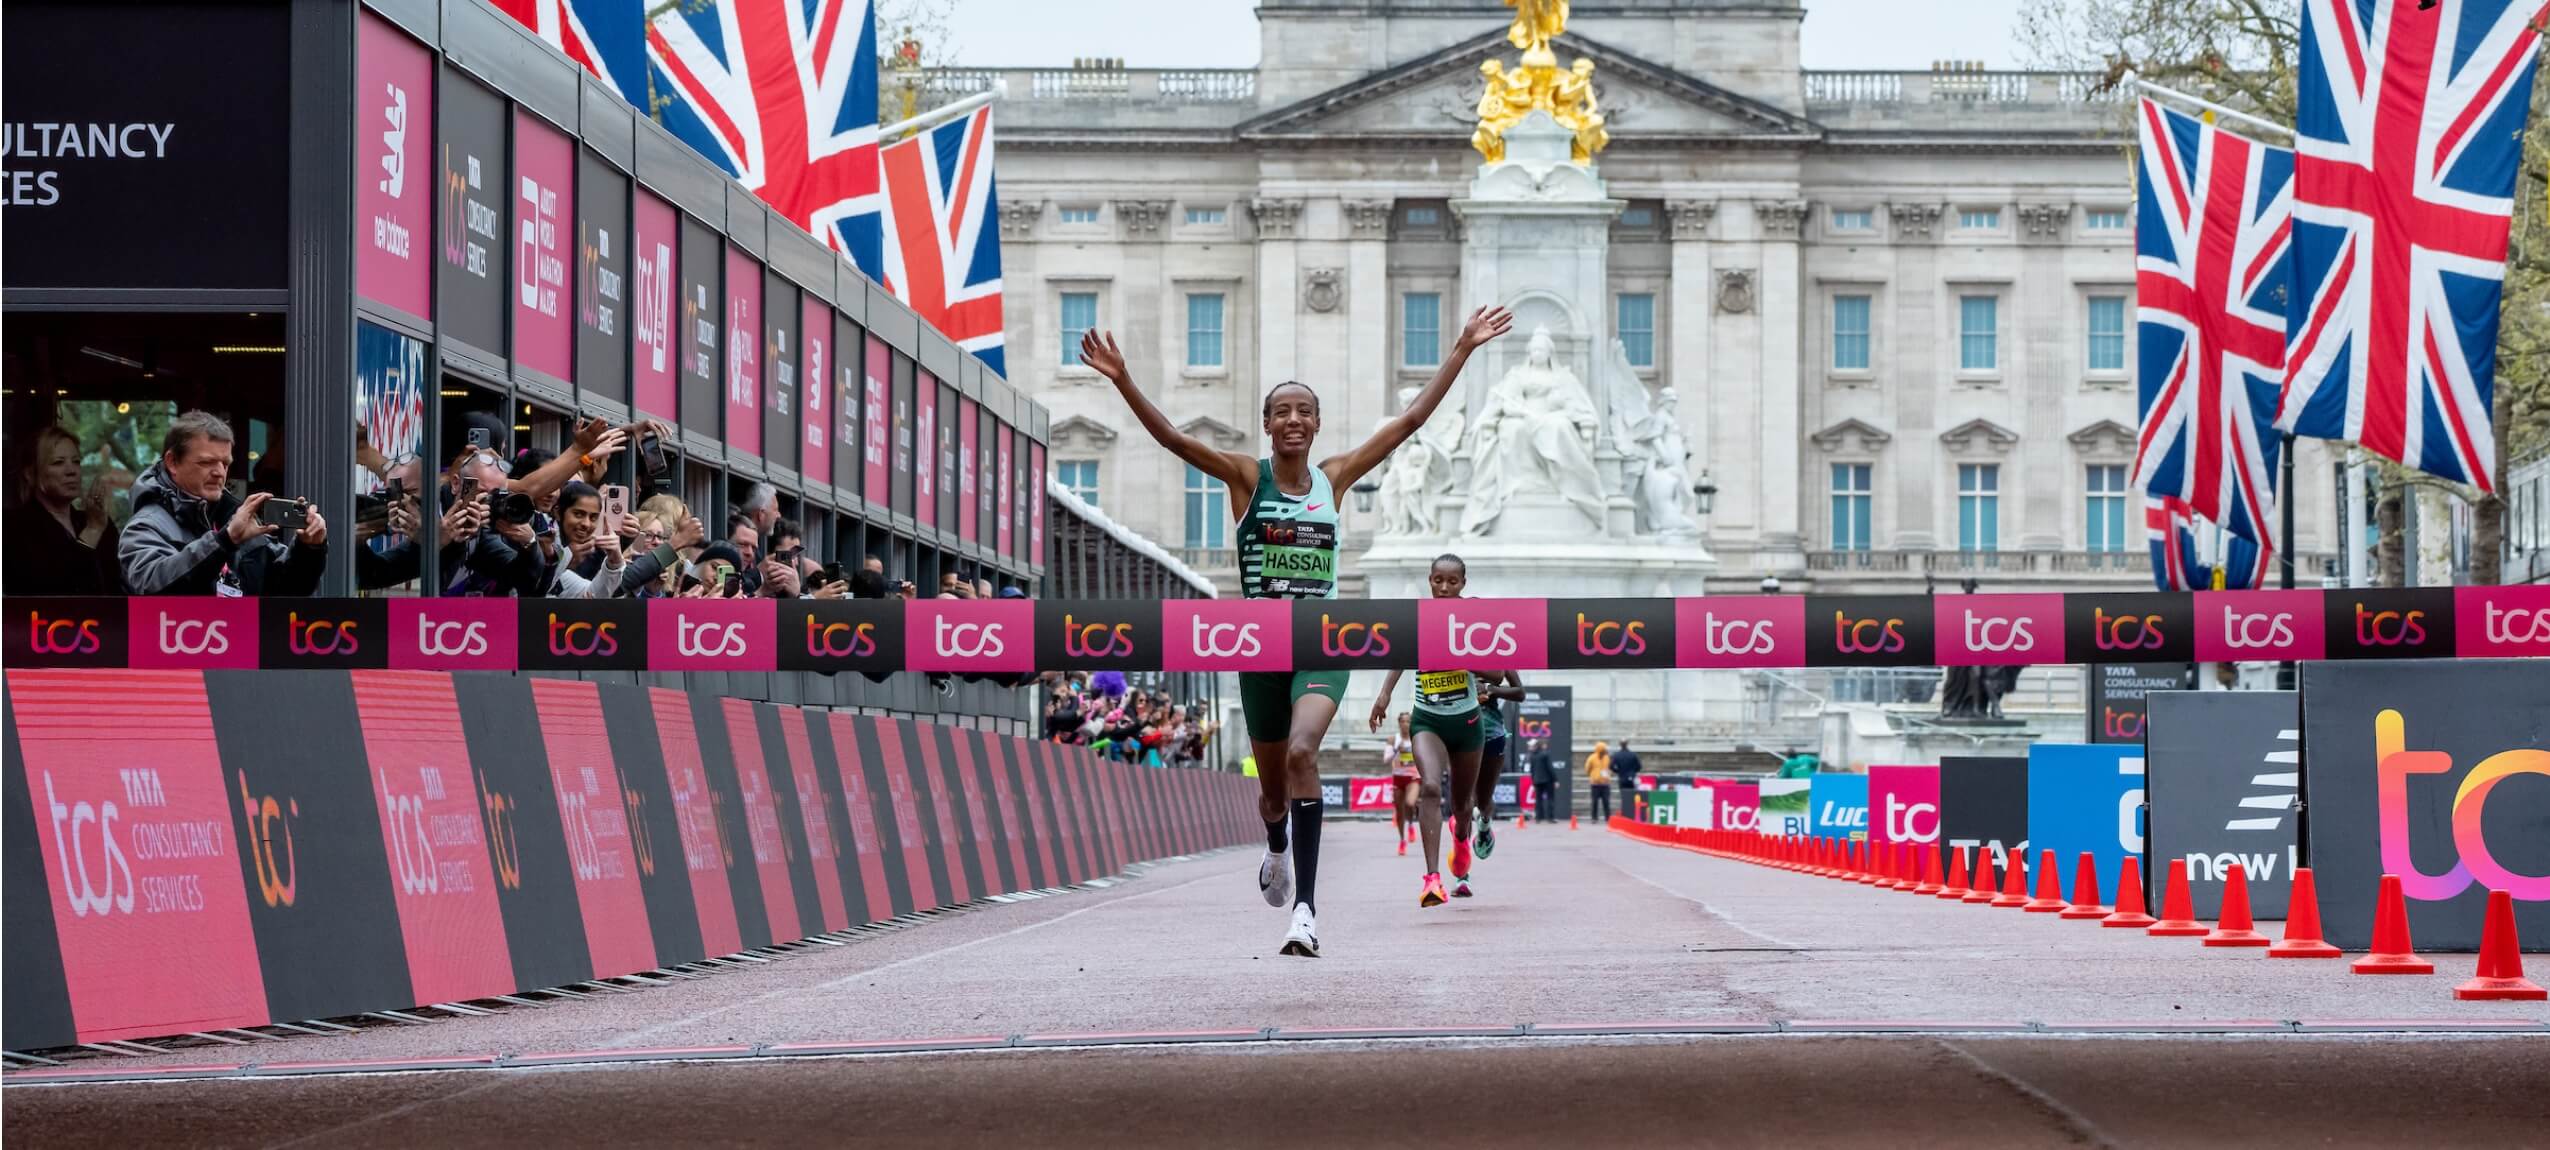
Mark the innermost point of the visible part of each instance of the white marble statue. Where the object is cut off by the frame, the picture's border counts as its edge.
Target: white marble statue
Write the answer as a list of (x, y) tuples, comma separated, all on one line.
[(1649, 435), (1535, 433), (1419, 475)]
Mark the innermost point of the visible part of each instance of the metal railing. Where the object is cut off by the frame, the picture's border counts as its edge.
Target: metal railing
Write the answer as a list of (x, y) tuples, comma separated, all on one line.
[(1161, 85), (1209, 559), (1960, 86)]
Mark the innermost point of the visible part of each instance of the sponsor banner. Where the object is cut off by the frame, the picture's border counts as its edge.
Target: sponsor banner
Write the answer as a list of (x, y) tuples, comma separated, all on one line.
[(2389, 623), (2241, 626), (470, 210), (2223, 768), (434, 634), (436, 844), (321, 633), (1728, 805), (1784, 806), (602, 278), (2146, 627), (1872, 631), (1595, 633), (584, 634), (782, 424), (2118, 694), (1514, 790), (393, 164), (1226, 635), (816, 429), (712, 634), (880, 757), (645, 758), (980, 636), (1370, 793), (1997, 630), (1661, 808), (65, 633), (1118, 634), (209, 633), (601, 854), (1983, 806), (1483, 634), (1546, 713), (2085, 798), (653, 360), (840, 635), (2502, 622), (1740, 631), (743, 366), (2440, 775), (701, 326), (543, 200), (1903, 804), (1838, 806), (871, 895), (1350, 633)]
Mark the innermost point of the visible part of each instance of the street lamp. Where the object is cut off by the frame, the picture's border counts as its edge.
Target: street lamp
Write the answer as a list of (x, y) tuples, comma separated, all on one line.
[(1770, 584), (1364, 492), (1704, 493)]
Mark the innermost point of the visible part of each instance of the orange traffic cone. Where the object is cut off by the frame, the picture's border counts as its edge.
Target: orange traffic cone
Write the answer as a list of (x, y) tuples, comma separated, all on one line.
[(2177, 907), (1930, 884), (2014, 882), (2236, 929), (2500, 959), (2302, 922), (1982, 892), (2129, 896), (1869, 862), (1908, 867), (1823, 858), (2085, 892), (1519, 821), (2049, 887), (1571, 822), (1955, 888)]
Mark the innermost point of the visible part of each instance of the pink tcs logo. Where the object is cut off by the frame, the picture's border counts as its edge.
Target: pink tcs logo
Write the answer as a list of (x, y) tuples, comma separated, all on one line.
[(2502, 622), (2237, 626), (1903, 804), (970, 635), (1740, 631), (211, 633), (1990, 630), (1483, 634), (712, 634), (1226, 635), (452, 634)]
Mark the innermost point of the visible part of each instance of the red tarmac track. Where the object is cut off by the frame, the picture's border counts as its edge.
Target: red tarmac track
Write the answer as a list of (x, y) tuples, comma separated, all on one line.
[(1848, 1015)]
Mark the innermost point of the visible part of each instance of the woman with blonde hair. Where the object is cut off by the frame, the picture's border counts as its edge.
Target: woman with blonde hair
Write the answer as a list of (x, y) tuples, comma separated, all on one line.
[(53, 526)]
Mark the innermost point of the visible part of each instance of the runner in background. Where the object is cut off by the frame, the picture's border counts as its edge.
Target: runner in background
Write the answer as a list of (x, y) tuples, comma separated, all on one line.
[(1449, 733), (1495, 688), (1401, 756), (1287, 543)]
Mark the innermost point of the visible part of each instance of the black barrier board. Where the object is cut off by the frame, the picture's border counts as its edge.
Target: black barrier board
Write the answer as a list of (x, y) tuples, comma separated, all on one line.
[(925, 854), (655, 831), (39, 1013), (1070, 846), (846, 836), (1611, 633), (2438, 772), (1098, 634), (1347, 633), (65, 632), (311, 850), (726, 794), (2135, 627), (959, 810), (535, 884), (1021, 807), (992, 784), (894, 849), (2221, 770), (311, 634), (2117, 692), (2388, 622), (1869, 631), (1983, 802), (1080, 786), (782, 768)]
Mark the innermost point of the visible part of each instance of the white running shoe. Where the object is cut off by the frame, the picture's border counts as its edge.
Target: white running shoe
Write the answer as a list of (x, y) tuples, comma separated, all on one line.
[(1275, 878), (1303, 940)]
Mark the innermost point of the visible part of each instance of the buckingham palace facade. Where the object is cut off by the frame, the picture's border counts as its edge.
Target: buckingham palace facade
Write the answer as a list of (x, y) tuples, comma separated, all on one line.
[(1896, 307)]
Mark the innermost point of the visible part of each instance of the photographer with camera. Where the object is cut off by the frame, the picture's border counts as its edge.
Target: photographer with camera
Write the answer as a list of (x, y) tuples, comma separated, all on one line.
[(190, 536)]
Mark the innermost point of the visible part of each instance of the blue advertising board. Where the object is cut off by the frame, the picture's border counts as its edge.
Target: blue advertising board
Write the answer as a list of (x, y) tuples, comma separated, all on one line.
[(2085, 798), (1838, 805)]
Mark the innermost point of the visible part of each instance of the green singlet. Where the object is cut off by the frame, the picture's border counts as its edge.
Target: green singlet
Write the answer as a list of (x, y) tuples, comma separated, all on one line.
[(1448, 705), (1287, 550)]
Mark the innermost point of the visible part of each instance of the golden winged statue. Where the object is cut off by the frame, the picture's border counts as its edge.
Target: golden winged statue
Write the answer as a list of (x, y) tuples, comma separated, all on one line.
[(1536, 81), (1536, 22)]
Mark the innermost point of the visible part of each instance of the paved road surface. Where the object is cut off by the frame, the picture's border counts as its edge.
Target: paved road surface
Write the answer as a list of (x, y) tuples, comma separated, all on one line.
[(1571, 927)]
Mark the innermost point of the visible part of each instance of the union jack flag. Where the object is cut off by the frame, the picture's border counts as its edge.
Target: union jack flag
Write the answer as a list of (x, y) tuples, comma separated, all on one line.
[(2410, 126), (2178, 563), (602, 36), (942, 235), (2210, 243)]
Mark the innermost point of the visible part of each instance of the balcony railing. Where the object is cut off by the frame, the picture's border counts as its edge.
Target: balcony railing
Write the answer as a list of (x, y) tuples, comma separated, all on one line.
[(2308, 568), (1154, 85), (1959, 85), (1209, 559)]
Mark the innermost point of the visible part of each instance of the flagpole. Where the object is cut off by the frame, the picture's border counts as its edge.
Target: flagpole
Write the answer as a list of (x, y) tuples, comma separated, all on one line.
[(943, 113), (2210, 106)]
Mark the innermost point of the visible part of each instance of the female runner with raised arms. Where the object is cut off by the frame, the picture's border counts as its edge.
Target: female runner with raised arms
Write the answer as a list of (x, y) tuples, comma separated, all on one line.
[(1287, 544)]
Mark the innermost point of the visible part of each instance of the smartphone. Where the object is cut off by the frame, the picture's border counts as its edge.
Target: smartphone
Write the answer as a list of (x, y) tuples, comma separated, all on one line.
[(652, 460), (465, 489), (291, 515), (615, 508), (481, 439), (826, 575)]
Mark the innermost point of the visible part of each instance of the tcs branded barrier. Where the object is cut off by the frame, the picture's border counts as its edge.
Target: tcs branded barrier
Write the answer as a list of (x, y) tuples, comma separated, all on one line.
[(1013, 636), (190, 850)]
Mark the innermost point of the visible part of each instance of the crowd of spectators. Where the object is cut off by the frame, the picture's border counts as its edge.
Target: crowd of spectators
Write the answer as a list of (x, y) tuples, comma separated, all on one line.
[(1101, 712)]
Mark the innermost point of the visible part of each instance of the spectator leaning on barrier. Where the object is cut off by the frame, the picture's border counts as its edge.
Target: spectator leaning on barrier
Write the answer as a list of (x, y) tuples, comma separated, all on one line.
[(190, 536)]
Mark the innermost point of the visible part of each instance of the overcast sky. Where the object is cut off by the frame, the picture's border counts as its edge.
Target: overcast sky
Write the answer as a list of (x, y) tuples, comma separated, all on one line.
[(1891, 34)]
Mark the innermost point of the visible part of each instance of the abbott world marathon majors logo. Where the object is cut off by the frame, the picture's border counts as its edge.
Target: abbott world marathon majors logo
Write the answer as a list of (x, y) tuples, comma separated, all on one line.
[(1871, 631), (1089, 634), (1482, 634), (1611, 632), (712, 634), (1350, 633), (1226, 635), (1740, 631), (1998, 630), (212, 633), (971, 635)]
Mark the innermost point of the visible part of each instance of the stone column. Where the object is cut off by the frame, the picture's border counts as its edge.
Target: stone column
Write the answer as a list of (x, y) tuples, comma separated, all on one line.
[(1364, 389), (2038, 482), (1279, 289), (1778, 223), (1687, 330), (1910, 343)]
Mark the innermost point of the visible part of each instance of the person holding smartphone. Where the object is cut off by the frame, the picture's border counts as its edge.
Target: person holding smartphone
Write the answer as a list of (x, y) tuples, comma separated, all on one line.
[(189, 535)]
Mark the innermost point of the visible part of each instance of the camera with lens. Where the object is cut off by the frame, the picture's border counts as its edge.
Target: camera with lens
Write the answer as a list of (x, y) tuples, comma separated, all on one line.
[(509, 507)]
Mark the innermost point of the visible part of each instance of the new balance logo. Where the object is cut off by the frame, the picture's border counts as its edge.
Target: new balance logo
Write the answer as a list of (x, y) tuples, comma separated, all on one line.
[(2280, 789)]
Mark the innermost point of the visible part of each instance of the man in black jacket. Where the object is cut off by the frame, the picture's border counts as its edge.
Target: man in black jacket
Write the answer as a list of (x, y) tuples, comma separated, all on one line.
[(1544, 781), (190, 536), (1624, 768)]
